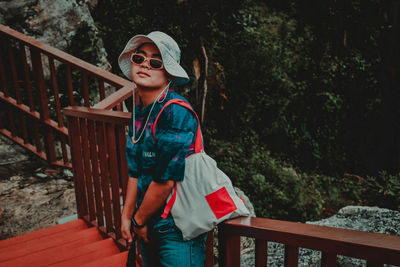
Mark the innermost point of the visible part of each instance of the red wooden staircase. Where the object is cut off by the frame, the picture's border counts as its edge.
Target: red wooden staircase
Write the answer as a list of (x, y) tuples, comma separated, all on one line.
[(69, 244)]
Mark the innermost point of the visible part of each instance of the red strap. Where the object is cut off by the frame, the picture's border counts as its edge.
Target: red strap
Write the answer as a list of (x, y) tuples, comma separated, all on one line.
[(169, 205), (198, 145)]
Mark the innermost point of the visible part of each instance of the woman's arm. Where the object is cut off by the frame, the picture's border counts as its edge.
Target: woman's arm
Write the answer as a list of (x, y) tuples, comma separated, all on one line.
[(129, 208)]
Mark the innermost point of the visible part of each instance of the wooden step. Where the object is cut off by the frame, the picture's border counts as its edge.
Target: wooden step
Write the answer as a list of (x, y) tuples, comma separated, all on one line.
[(70, 226), (61, 253), (111, 261), (101, 254), (86, 236)]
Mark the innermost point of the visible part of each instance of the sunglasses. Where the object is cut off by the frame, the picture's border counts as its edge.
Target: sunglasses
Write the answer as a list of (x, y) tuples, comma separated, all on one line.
[(139, 59)]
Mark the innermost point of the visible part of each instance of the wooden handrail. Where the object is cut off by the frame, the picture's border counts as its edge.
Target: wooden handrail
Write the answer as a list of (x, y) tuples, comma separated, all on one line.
[(116, 98), (67, 58), (95, 114), (32, 88), (373, 247)]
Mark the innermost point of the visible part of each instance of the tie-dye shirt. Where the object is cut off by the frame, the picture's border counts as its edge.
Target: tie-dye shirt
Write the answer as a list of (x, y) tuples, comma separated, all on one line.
[(163, 159)]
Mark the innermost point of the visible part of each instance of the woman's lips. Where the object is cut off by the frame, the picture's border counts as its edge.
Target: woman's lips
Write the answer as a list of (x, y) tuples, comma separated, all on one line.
[(143, 74)]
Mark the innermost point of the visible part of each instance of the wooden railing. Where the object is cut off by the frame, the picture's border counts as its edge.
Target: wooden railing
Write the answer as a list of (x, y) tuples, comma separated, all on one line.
[(37, 81), (376, 249), (99, 165), (99, 162)]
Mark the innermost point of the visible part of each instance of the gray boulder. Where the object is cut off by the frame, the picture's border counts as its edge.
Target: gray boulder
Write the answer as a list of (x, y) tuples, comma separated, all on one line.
[(53, 22)]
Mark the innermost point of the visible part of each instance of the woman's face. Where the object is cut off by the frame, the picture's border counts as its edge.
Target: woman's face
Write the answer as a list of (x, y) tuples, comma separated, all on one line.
[(143, 75)]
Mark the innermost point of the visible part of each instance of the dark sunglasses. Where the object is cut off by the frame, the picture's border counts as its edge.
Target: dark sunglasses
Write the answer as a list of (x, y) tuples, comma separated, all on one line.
[(139, 59)]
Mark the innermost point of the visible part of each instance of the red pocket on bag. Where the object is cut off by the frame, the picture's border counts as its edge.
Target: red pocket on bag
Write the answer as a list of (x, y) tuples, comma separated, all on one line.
[(221, 203)]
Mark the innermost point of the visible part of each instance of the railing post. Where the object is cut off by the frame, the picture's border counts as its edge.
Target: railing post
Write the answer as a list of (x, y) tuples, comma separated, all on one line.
[(43, 105), (77, 167), (261, 256), (209, 261), (328, 260), (291, 256), (228, 248)]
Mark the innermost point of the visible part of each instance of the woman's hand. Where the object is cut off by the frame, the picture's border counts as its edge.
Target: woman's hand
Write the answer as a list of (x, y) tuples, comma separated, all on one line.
[(126, 230)]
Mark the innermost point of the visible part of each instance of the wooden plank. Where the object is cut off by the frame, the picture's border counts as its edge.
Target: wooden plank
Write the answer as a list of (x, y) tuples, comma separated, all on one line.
[(102, 145), (24, 128), (261, 253), (3, 75), (328, 260), (34, 114), (374, 264), (75, 225), (228, 247), (291, 256), (76, 154), (123, 164), (14, 73), (20, 142), (11, 122), (101, 88), (85, 87), (209, 261), (27, 78), (357, 244), (43, 105), (107, 116), (115, 260), (115, 181), (116, 98), (38, 143), (69, 85), (64, 149), (87, 169), (95, 172), (55, 91), (48, 241)]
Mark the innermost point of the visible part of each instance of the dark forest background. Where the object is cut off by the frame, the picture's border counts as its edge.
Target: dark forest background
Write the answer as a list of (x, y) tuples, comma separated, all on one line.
[(300, 98)]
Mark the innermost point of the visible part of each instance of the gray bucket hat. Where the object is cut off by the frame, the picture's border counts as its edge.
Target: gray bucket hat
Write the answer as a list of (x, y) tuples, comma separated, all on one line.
[(169, 50)]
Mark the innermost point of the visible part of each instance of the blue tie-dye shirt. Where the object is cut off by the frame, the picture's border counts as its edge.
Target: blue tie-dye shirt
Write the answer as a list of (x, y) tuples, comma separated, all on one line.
[(163, 159)]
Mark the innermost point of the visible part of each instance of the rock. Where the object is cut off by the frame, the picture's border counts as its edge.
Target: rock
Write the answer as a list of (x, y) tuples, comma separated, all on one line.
[(41, 175), (68, 173), (370, 219), (53, 22)]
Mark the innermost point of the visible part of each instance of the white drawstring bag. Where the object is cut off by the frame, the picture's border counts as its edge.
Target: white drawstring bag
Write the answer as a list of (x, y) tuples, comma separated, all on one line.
[(206, 196)]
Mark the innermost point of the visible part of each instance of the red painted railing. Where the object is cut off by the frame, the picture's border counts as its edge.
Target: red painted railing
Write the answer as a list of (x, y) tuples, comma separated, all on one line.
[(376, 249), (37, 81), (98, 140)]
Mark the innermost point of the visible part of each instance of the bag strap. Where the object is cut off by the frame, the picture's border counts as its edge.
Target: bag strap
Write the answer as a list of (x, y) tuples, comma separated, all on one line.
[(198, 145), (170, 203)]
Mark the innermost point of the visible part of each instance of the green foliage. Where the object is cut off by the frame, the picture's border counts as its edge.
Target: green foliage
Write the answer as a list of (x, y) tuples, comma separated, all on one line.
[(276, 191)]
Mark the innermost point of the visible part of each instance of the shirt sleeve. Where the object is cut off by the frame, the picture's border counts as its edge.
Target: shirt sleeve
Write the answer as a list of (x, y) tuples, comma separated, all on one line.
[(131, 152), (175, 133)]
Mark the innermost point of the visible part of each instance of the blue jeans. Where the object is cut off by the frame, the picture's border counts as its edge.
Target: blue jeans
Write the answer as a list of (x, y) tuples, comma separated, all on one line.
[(166, 247)]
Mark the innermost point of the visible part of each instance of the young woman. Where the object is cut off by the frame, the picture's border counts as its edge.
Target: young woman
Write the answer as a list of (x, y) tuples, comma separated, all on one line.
[(152, 62)]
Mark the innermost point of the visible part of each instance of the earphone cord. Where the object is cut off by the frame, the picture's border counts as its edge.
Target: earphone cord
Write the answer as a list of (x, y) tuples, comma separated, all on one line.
[(148, 116)]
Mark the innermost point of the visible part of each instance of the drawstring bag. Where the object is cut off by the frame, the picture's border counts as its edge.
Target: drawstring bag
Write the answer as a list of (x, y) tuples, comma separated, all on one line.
[(206, 196)]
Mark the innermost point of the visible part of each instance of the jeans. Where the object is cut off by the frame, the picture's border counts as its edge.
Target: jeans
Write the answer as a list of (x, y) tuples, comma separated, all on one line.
[(166, 247)]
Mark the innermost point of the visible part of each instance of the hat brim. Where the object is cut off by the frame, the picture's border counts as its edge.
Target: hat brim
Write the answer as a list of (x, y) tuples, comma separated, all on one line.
[(170, 65)]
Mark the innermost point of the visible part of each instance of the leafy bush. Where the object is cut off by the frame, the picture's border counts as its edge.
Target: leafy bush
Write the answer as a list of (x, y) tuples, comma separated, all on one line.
[(276, 191)]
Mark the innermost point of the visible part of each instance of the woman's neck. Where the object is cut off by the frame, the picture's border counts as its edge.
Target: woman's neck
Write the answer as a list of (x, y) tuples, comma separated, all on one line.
[(149, 95)]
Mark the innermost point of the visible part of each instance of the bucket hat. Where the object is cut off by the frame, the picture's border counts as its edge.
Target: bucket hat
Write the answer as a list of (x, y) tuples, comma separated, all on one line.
[(169, 50)]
